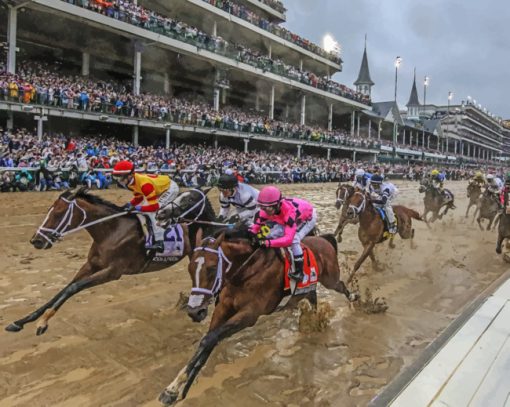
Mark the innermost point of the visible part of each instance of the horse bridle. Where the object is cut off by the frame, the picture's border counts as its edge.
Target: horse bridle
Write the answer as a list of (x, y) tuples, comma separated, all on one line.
[(344, 198), (184, 213), (218, 279), (52, 235), (358, 209)]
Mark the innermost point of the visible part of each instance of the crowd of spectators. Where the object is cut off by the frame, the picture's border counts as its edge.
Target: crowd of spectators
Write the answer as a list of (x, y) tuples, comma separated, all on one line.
[(58, 162), (276, 4), (44, 84), (137, 15)]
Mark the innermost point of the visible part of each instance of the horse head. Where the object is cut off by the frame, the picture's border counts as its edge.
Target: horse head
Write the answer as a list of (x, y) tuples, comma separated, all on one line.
[(342, 194), (65, 214), (357, 203), (188, 206)]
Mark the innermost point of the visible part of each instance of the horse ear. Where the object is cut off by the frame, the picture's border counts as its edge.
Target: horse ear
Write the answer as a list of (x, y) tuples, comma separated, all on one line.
[(219, 240), (206, 190), (198, 237)]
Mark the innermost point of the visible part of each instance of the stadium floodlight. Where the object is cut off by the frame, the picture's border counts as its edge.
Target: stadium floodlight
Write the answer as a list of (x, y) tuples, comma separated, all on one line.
[(330, 44)]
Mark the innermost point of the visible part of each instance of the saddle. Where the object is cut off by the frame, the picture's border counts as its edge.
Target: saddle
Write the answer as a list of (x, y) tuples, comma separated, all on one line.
[(173, 238), (310, 270)]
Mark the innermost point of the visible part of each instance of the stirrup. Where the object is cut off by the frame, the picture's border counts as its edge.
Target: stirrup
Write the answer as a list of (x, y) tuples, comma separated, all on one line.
[(158, 246), (296, 276)]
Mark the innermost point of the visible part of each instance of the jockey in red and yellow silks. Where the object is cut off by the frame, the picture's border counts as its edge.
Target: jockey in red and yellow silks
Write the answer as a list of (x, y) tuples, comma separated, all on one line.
[(150, 193)]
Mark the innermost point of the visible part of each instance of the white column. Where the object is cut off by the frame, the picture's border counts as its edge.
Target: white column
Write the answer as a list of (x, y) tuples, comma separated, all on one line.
[(216, 142), (329, 154), (85, 63), (246, 142), (428, 141), (353, 119), (166, 83), (271, 103), (354, 156), (287, 109), (12, 24), (167, 138), (270, 51), (300, 64), (215, 28), (216, 99), (379, 126), (299, 151), (455, 147), (137, 68), (370, 128), (303, 110), (411, 138), (40, 122), (359, 120), (257, 102), (224, 96), (10, 120), (404, 137), (134, 136), (330, 117)]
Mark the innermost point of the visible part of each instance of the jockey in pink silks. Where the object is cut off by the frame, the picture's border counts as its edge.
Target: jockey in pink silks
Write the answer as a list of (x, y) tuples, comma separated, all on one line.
[(296, 217)]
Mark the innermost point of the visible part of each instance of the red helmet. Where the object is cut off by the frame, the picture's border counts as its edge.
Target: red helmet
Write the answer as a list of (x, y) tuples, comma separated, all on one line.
[(269, 196), (123, 168)]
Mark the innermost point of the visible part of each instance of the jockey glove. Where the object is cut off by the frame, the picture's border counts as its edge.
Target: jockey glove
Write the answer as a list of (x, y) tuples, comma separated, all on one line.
[(128, 207), (138, 208)]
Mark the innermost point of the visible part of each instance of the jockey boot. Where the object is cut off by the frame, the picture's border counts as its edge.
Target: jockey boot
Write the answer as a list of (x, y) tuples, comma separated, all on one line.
[(392, 228), (298, 274), (157, 246)]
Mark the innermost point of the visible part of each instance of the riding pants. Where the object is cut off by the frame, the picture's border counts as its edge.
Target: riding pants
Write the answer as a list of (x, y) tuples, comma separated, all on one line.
[(302, 231), (169, 195), (389, 211)]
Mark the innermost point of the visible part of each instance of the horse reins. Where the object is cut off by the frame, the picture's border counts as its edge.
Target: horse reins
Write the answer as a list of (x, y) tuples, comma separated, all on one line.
[(358, 209)]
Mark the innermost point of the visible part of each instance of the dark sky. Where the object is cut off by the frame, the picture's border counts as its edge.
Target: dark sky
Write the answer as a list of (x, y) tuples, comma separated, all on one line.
[(462, 45)]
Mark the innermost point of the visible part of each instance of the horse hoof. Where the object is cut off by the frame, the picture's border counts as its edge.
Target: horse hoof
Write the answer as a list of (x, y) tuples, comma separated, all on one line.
[(498, 251), (339, 239), (354, 297), (41, 330), (13, 327), (167, 398)]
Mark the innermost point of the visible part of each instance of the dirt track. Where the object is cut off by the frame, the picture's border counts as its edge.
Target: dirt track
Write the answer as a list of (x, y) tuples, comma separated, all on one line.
[(120, 344)]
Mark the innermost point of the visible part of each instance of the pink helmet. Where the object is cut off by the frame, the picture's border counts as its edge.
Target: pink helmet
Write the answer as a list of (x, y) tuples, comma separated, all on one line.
[(269, 196)]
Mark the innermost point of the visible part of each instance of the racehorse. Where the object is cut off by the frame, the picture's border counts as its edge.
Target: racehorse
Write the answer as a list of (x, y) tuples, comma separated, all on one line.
[(503, 232), (118, 246), (254, 286), (434, 200), (372, 227), (474, 190), (487, 208), (343, 193)]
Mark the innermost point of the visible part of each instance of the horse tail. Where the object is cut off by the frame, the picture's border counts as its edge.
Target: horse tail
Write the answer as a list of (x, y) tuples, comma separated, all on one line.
[(331, 239), (409, 212)]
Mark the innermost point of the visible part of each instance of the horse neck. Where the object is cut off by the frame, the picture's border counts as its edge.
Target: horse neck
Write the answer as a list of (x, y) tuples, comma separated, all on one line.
[(368, 213), (239, 260)]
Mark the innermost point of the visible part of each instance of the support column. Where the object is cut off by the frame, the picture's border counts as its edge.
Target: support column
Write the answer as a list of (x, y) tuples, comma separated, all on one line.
[(303, 110), (353, 118), (455, 147), (428, 141), (134, 136), (299, 151), (216, 99), (379, 130), (404, 137), (10, 120), (270, 51), (215, 29), (359, 120), (246, 142), (137, 68), (330, 117), (85, 63), (411, 138), (40, 123), (167, 139), (287, 108), (370, 128), (257, 102), (354, 156), (271, 103), (215, 142), (329, 154), (300, 64), (224, 92), (12, 25), (166, 83)]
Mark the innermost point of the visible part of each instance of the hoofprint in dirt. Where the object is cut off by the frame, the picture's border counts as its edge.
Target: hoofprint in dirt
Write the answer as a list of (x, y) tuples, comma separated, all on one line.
[(120, 344)]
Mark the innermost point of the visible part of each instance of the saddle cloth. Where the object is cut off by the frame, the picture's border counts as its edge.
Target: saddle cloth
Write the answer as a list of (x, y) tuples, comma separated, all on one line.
[(173, 239), (310, 270), (384, 218)]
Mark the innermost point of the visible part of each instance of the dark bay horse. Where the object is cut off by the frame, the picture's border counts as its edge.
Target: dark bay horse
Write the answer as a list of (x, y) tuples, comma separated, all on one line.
[(487, 208), (118, 246), (503, 232), (343, 193), (372, 227), (474, 190), (254, 286), (434, 201)]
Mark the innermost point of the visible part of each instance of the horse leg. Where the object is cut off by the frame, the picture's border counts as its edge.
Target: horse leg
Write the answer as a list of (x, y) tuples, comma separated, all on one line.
[(391, 243), (224, 327), (490, 223), (98, 278), (499, 243), (479, 220), (467, 210), (368, 249), (312, 297), (339, 230), (85, 271)]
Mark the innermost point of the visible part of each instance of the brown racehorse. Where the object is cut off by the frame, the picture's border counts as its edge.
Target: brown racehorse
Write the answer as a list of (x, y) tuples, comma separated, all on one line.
[(343, 193), (372, 227), (434, 201), (503, 232), (118, 246), (487, 208), (474, 190), (254, 286)]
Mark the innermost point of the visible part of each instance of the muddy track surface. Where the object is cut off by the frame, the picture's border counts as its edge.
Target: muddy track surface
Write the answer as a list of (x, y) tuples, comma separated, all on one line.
[(120, 344)]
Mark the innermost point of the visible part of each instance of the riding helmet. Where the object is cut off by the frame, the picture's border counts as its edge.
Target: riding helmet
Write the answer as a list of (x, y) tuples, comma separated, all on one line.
[(123, 168), (269, 196), (228, 181), (377, 179)]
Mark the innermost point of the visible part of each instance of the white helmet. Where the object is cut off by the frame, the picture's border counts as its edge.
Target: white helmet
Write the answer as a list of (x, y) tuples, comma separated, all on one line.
[(490, 177), (359, 173)]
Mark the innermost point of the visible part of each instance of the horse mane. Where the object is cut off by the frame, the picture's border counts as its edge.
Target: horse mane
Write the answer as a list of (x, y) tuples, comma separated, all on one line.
[(84, 194), (208, 212)]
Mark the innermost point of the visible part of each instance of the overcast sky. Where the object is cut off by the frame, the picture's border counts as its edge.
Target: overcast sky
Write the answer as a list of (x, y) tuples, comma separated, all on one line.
[(462, 45)]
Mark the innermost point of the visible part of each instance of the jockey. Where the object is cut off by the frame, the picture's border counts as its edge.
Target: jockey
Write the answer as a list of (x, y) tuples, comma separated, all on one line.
[(506, 190), (437, 178), (241, 196), (297, 217), (150, 193), (478, 178), (382, 193), (362, 180), (495, 186)]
